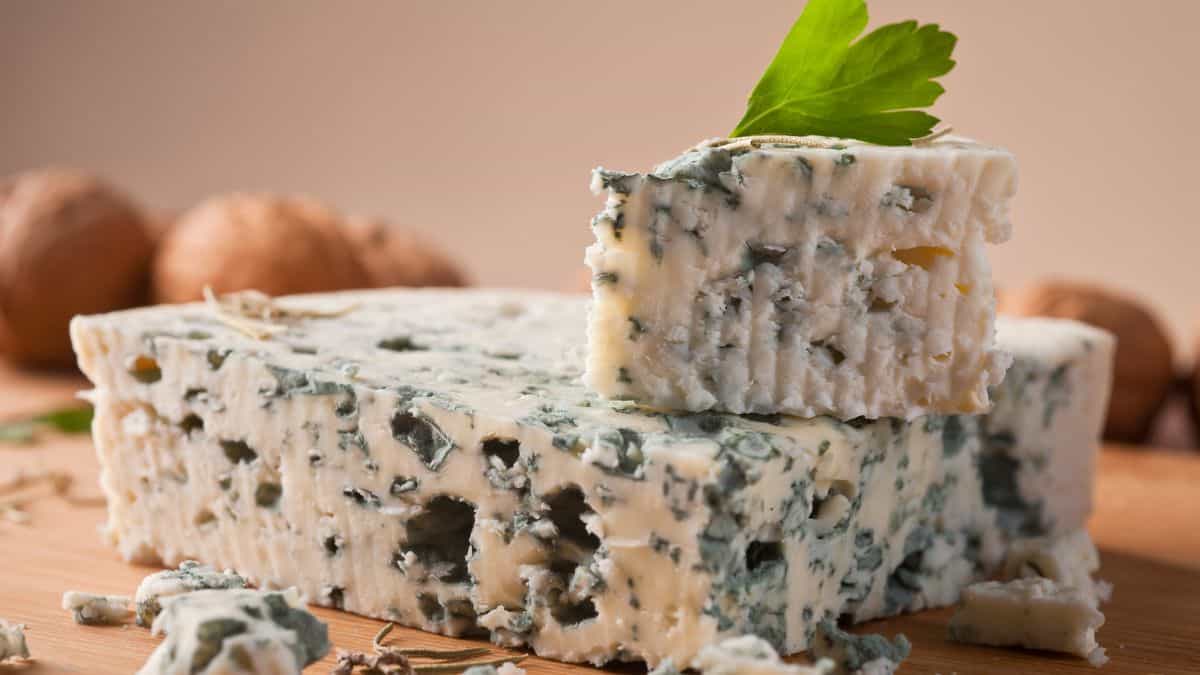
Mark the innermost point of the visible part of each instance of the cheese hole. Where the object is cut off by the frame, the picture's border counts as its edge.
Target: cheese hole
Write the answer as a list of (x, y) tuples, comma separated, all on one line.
[(878, 305), (204, 518), (762, 553), (267, 495), (924, 257), (573, 548), (942, 358), (400, 343), (567, 511), (440, 537), (507, 450), (829, 510), (192, 422), (835, 355), (238, 451)]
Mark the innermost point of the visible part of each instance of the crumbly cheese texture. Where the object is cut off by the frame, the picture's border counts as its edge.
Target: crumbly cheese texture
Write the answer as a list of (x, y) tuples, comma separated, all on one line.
[(848, 280), (191, 576), (236, 632), (751, 655), (1069, 560), (12, 641), (1030, 613), (90, 609), (431, 458), (858, 654)]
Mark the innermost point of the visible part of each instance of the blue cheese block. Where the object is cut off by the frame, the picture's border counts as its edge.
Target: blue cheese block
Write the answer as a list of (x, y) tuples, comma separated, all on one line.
[(431, 458), (822, 277)]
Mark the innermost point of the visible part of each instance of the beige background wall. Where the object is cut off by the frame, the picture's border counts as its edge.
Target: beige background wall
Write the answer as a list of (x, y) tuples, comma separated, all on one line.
[(479, 121)]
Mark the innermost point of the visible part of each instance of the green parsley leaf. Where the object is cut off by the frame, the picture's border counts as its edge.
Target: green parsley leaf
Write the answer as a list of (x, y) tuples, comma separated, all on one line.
[(68, 420), (73, 420), (822, 83)]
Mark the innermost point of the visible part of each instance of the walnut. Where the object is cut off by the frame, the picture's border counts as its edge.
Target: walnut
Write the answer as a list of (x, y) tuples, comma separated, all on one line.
[(1144, 367), (1193, 391), (397, 256), (69, 244), (277, 245)]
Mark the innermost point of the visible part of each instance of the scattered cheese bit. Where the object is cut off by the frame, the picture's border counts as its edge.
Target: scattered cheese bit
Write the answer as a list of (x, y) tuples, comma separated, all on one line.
[(191, 576), (1030, 613), (12, 641), (91, 609)]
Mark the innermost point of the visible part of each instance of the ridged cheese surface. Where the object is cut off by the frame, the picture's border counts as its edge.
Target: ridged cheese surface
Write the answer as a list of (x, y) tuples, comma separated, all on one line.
[(849, 280)]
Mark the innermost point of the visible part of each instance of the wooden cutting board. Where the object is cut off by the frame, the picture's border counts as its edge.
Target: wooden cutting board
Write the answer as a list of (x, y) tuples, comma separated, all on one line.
[(1147, 523)]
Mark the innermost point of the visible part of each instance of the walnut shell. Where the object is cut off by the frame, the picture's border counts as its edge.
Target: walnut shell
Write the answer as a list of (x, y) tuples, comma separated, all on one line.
[(277, 245), (1193, 391), (69, 244), (397, 256), (1144, 367)]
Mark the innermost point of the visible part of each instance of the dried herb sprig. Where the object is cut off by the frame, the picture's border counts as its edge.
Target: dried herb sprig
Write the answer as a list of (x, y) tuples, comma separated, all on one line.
[(258, 315), (391, 660), (24, 487)]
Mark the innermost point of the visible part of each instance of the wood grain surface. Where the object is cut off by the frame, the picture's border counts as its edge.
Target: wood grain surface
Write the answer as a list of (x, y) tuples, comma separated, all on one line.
[(1146, 523)]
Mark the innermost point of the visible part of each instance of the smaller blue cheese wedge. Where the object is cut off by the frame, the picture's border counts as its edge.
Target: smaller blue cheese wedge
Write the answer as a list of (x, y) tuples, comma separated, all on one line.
[(1029, 613), (12, 642), (236, 632), (90, 609), (191, 576), (1054, 397), (813, 277)]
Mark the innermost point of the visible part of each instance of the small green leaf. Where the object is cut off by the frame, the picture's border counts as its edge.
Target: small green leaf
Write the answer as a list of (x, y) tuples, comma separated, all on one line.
[(68, 420), (821, 83), (73, 420)]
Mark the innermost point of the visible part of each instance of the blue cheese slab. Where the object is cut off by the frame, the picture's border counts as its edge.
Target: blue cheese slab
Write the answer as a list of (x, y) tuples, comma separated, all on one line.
[(431, 458), (236, 632), (821, 277)]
